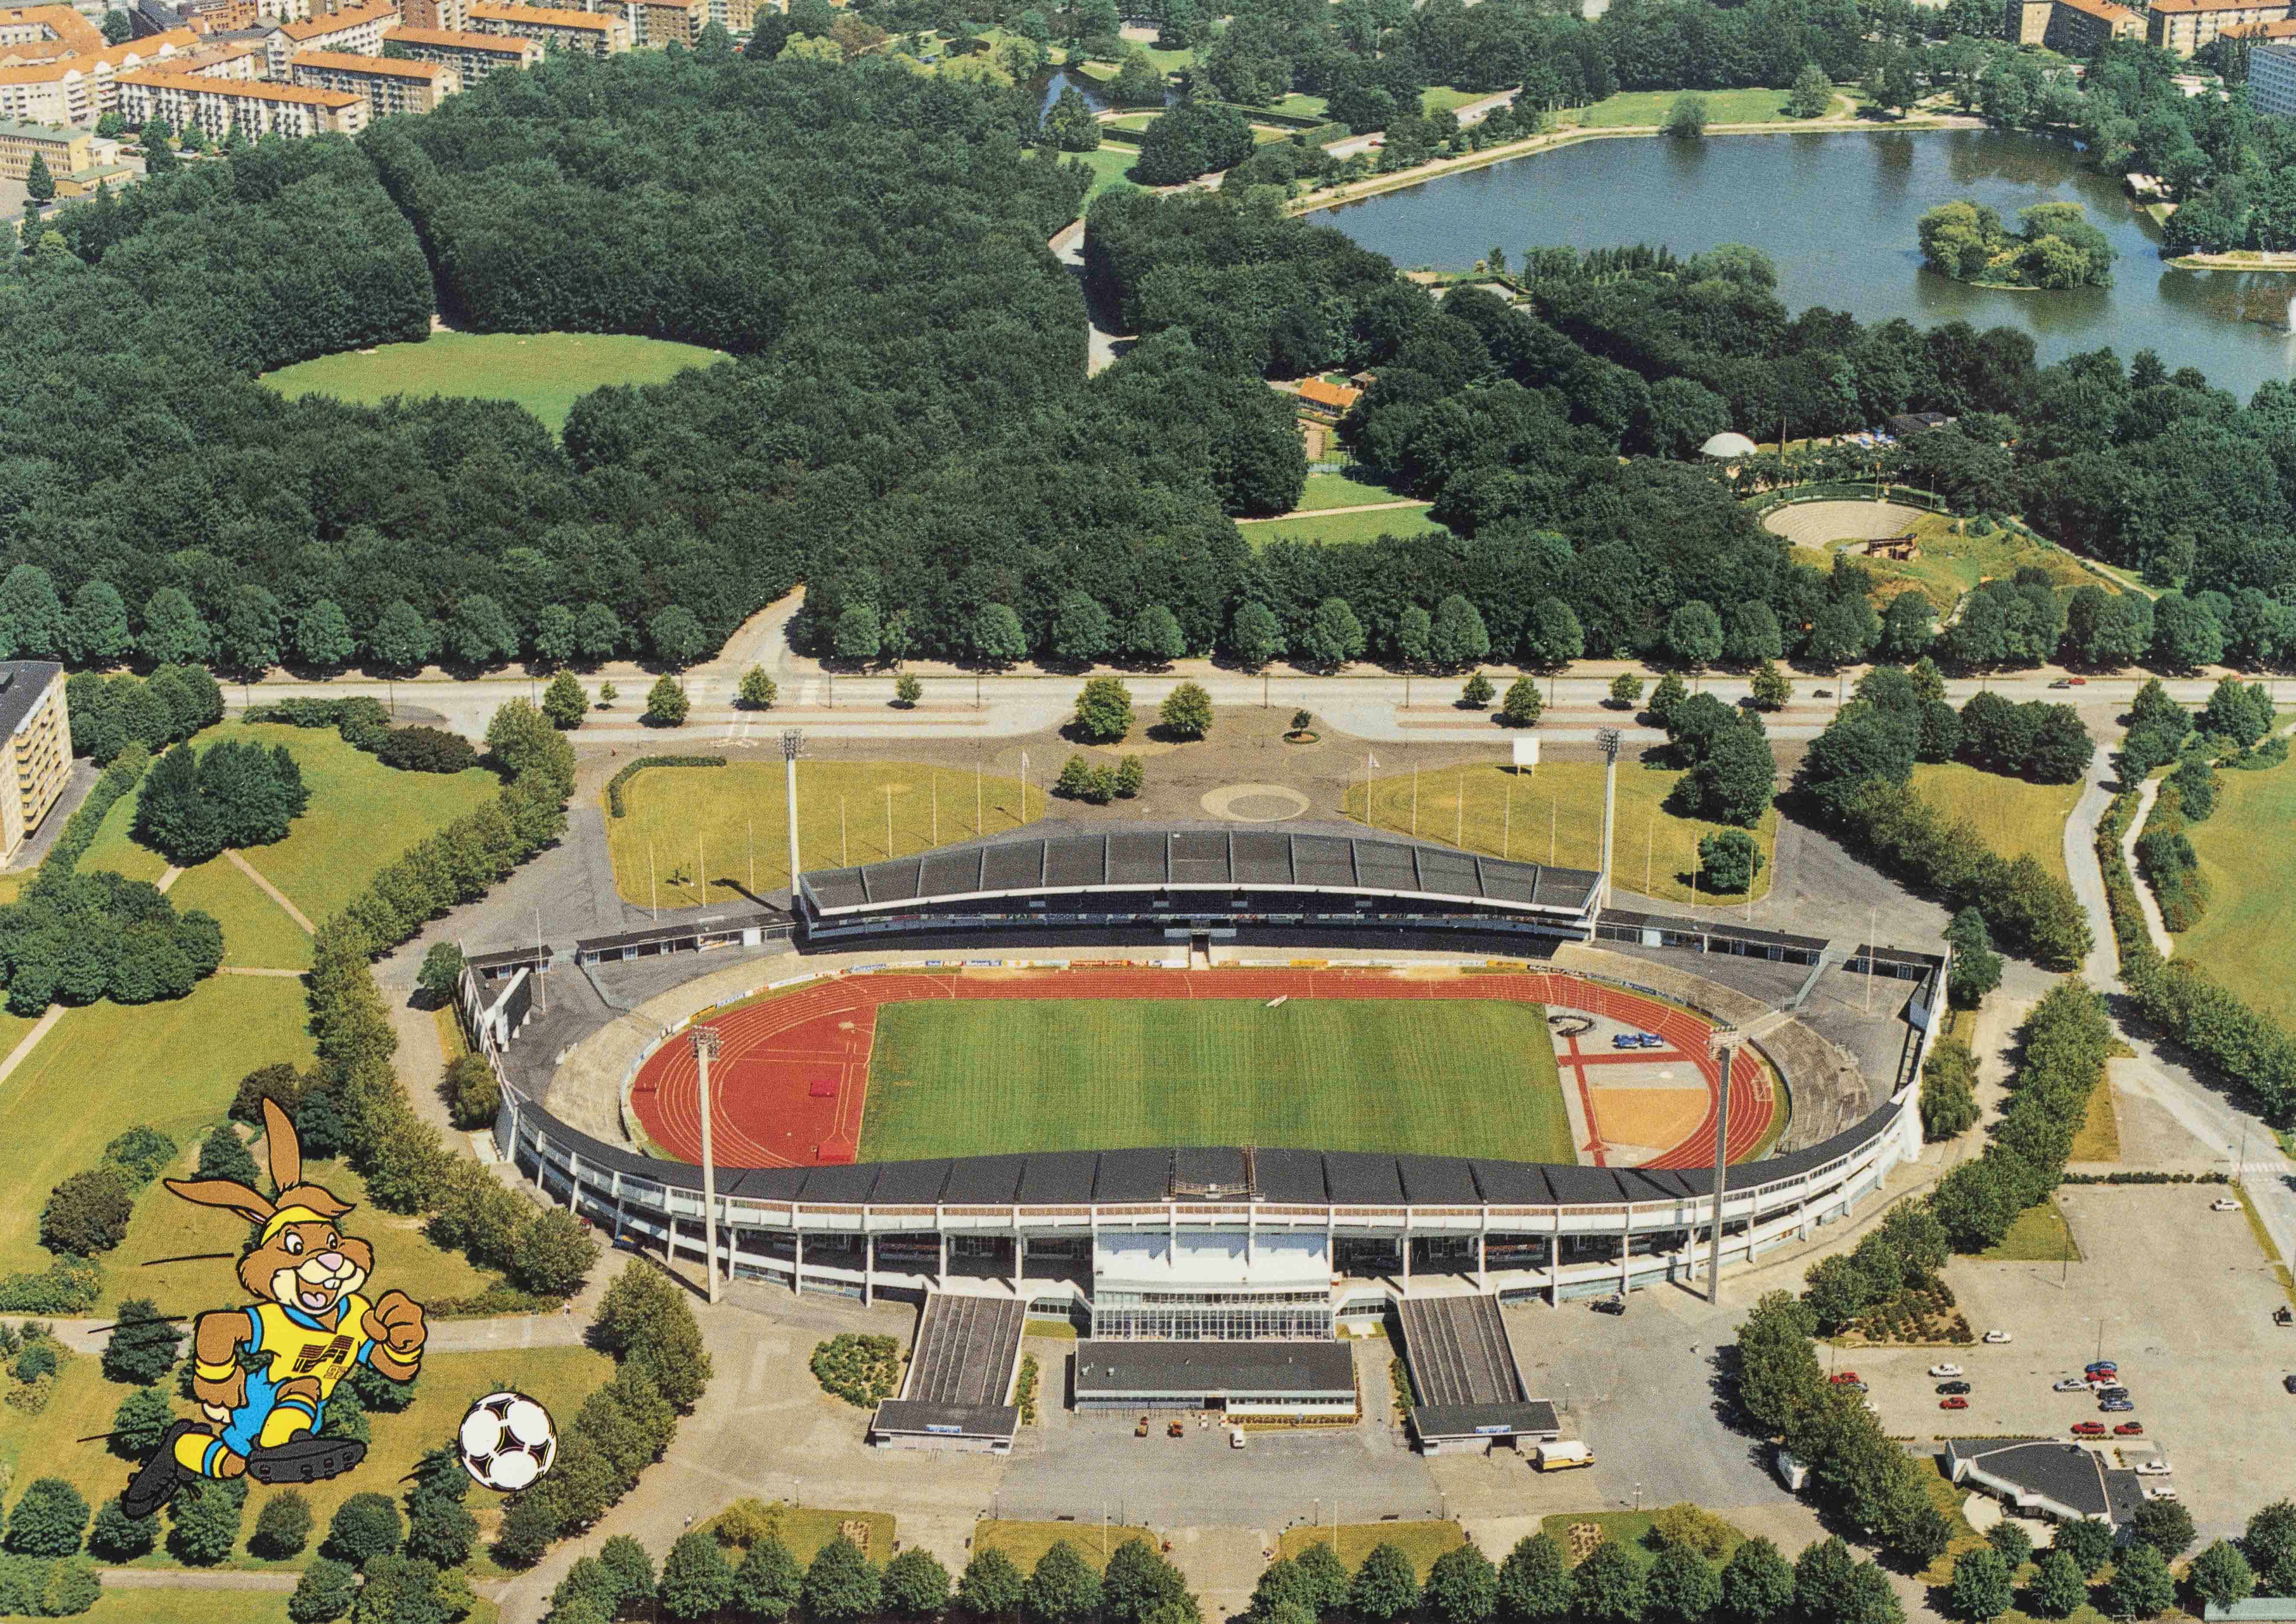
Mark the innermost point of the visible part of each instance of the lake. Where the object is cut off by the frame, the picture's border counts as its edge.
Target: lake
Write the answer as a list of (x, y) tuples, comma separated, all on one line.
[(1837, 213)]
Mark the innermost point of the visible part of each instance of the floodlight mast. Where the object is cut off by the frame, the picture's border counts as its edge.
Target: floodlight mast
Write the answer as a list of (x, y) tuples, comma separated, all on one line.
[(1720, 1043), (1608, 739), (792, 747)]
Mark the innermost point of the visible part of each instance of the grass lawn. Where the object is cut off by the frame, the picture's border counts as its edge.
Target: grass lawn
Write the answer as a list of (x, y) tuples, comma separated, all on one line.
[(1634, 107), (1947, 1496), (1439, 99), (45, 1445), (1510, 813), (115, 848), (1025, 1542), (2039, 1236), (1131, 122), (806, 1529), (1953, 562), (735, 810), (1344, 527), (544, 372), (108, 1066), (2249, 863), (1629, 1530), (1343, 490), (1423, 1542), (362, 815), (1454, 1077), (255, 930), (165, 1227), (1109, 164), (1297, 106), (173, 1606), (2015, 818), (2099, 1139)]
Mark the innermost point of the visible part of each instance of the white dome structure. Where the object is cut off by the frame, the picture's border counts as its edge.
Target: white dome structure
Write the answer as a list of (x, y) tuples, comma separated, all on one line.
[(1728, 443)]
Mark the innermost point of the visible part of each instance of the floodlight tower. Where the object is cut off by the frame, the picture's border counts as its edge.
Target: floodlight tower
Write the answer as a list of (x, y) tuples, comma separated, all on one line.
[(706, 1044), (1608, 738), (792, 747), (1720, 1043)]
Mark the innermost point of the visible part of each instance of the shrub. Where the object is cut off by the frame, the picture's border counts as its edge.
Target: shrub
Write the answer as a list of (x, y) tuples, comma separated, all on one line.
[(48, 1519), (283, 1526), (473, 1093), (666, 703), (87, 1213), (864, 1370), (427, 750), (614, 784)]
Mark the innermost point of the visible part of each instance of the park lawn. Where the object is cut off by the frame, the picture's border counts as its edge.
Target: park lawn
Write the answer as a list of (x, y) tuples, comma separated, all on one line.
[(106, 1067), (2249, 863), (1325, 490), (1298, 106), (1109, 164), (174, 1606), (1628, 1528), (1954, 563), (1423, 1542), (2099, 1138), (734, 812), (546, 373), (164, 1227), (363, 815), (1025, 1542), (1439, 99), (115, 848), (1514, 814), (1131, 121), (47, 1444), (1947, 1496), (1649, 107), (1343, 527), (1449, 1077), (255, 930), (2017, 818), (2039, 1235)]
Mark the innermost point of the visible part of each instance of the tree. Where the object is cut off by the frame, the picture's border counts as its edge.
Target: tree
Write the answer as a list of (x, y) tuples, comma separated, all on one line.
[(2057, 1586), (1462, 1586), (1626, 690), (757, 690), (1812, 94), (2270, 1545), (2221, 1574), (1521, 706), (477, 633), (1060, 1588), (1475, 692), (1553, 636), (695, 1579), (2141, 1586), (282, 1528), (87, 1214), (2186, 634), (1081, 632), (1772, 689), (324, 1592), (564, 703), (1458, 637), (39, 184), (1386, 1586), (1103, 710), (117, 1536), (858, 635), (1737, 780), (95, 628), (645, 1319), (1069, 125), (1323, 1577), (1693, 635), (990, 1586), (555, 638), (1255, 636), (1607, 1586), (1976, 966), (364, 1527), (666, 703), (1728, 860), (997, 640), (1154, 636), (1186, 711), (1415, 635), (48, 1519), (141, 1420), (2013, 1545), (916, 1586), (1683, 1588), (142, 1346), (172, 632), (598, 632), (1981, 1587), (1190, 139), (1666, 693), (1686, 117), (204, 1518), (1758, 1583), (769, 1582), (1535, 1581), (402, 639), (2166, 1526), (908, 688), (399, 1590), (1334, 635)]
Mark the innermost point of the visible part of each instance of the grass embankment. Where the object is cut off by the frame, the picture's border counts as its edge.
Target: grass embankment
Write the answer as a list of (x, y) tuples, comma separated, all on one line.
[(1025, 1542), (2039, 1235), (1327, 490), (1509, 813), (47, 1444), (546, 373), (1953, 562), (1630, 1530), (1454, 1077), (736, 811), (1342, 528), (1631, 108), (2099, 1138), (806, 1529), (2250, 863), (1423, 1542), (2017, 818)]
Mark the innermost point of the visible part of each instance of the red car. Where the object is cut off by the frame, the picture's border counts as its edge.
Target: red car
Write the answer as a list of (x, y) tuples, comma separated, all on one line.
[(1954, 1403), (2102, 1378), (2130, 1429), (2089, 1429), (1842, 1378)]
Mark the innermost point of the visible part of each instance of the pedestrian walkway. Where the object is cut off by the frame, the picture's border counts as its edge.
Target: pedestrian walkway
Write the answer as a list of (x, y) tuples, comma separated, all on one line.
[(272, 891)]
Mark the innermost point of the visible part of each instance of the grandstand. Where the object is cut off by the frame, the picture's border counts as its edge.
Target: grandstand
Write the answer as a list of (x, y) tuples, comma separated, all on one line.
[(960, 1372), (1464, 1377)]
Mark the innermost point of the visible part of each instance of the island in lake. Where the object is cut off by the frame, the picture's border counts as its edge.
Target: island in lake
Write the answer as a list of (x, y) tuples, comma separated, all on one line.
[(2056, 247)]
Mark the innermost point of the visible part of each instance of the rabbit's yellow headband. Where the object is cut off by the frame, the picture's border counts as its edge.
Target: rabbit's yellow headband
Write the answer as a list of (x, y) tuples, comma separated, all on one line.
[(284, 1216)]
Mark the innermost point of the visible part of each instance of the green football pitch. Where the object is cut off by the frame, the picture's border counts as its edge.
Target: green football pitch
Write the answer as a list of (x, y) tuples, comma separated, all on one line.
[(1444, 1077)]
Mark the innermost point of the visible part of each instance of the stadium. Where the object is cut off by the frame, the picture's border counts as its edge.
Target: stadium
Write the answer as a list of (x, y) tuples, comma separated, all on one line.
[(1214, 1097)]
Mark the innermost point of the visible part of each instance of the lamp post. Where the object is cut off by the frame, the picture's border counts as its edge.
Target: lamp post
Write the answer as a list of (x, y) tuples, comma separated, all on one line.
[(792, 747), (1720, 1043), (706, 1043)]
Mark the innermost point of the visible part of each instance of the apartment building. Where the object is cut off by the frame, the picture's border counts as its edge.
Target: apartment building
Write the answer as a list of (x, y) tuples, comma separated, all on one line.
[(2272, 77), (472, 56), (655, 24), (440, 16), (77, 87), (39, 747), (591, 33), (353, 31), (65, 152), (389, 85), (42, 33), (736, 17), (258, 107), (2185, 26)]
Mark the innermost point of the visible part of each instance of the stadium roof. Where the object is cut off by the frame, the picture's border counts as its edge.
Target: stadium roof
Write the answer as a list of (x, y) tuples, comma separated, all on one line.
[(1238, 1370), (1217, 857)]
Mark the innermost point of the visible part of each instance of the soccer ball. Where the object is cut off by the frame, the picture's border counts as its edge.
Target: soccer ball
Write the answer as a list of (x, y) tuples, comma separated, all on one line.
[(507, 1441)]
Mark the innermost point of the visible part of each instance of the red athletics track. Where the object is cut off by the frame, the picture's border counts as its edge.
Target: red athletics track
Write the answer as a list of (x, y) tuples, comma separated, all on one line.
[(791, 1079)]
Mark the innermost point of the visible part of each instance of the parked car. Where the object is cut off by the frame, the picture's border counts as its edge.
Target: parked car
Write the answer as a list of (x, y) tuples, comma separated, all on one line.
[(1843, 1378), (2089, 1428), (2062, 681), (1945, 1370), (2158, 1491), (1627, 1040), (2113, 1392), (2103, 1364), (2074, 1384), (2289, 1383), (2223, 1203), (2153, 1469), (1649, 1040), (1609, 1304), (2102, 1378), (1235, 1438), (1997, 1336), (1953, 1387), (1954, 1403), (2130, 1429), (2116, 1407)]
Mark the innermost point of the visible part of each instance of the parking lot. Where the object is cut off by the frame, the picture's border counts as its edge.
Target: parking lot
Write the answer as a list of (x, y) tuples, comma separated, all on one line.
[(2178, 1296)]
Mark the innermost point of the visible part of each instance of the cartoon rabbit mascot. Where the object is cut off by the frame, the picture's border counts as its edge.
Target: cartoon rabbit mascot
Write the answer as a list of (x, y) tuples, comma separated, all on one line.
[(262, 1374)]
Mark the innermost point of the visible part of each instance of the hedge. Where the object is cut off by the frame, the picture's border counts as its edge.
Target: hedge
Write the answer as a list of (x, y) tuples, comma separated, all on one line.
[(614, 784)]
